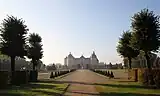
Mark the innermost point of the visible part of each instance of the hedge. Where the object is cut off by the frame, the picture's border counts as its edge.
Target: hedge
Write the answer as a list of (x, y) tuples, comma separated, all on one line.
[(105, 73), (33, 75), (59, 73), (145, 76), (3, 79), (20, 77)]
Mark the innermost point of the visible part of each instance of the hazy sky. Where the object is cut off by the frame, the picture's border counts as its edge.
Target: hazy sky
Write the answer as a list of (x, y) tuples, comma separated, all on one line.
[(77, 26)]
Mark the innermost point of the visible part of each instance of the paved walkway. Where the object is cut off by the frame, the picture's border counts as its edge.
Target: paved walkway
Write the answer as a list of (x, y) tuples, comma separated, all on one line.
[(81, 83)]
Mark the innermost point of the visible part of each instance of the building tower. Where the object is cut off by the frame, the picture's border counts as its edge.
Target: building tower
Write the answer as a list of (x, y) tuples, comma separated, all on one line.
[(94, 60), (70, 60), (65, 61), (82, 59)]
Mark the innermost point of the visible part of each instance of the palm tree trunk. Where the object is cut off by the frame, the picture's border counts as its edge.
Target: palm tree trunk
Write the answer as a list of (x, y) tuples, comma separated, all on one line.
[(130, 61), (34, 67), (12, 67), (12, 63)]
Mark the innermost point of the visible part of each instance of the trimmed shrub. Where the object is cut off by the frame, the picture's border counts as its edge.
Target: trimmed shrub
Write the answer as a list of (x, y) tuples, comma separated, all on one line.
[(61, 73), (157, 78), (3, 79), (111, 75), (133, 74), (56, 74), (51, 76), (33, 76), (149, 77), (143, 76), (73, 70), (108, 73), (103, 72), (20, 77)]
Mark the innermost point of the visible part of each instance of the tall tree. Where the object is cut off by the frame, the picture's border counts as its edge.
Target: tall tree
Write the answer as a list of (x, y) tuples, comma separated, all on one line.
[(13, 38), (35, 51), (146, 33), (124, 48)]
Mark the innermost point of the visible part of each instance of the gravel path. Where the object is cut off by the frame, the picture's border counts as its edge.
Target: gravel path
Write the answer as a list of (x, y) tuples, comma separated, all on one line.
[(81, 83)]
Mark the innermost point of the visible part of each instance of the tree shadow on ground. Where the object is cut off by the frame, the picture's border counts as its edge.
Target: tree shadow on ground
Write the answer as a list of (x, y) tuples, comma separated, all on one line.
[(11, 94), (47, 93), (111, 85), (84, 93), (125, 94), (36, 85), (11, 90), (39, 91), (126, 81), (127, 86), (50, 81)]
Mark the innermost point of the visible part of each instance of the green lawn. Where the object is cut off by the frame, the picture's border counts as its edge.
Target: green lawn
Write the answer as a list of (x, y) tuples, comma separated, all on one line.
[(119, 87), (41, 88)]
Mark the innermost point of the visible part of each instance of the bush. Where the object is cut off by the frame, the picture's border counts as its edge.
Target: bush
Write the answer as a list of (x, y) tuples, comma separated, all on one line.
[(20, 77), (157, 79), (72, 70), (3, 79), (61, 73), (111, 75), (105, 73), (33, 75), (108, 73), (133, 74), (56, 74), (51, 76), (149, 77), (143, 77)]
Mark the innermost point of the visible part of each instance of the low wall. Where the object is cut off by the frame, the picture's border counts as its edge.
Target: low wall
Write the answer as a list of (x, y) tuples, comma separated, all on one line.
[(137, 73)]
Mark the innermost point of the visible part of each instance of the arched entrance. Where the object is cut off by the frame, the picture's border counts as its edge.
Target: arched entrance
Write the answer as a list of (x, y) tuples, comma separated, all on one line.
[(80, 66)]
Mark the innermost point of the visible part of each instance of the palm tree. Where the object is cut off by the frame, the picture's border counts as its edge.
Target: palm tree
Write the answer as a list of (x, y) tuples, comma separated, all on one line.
[(13, 39), (35, 49)]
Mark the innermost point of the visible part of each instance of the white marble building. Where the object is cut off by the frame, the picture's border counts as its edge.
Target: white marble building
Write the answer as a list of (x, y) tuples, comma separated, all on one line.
[(82, 62)]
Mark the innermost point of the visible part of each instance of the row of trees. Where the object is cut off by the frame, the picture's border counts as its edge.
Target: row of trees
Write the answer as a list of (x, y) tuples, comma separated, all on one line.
[(51, 67), (144, 36), (15, 43)]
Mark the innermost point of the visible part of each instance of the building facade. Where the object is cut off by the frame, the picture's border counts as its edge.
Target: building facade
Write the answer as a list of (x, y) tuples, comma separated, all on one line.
[(141, 62), (82, 62)]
